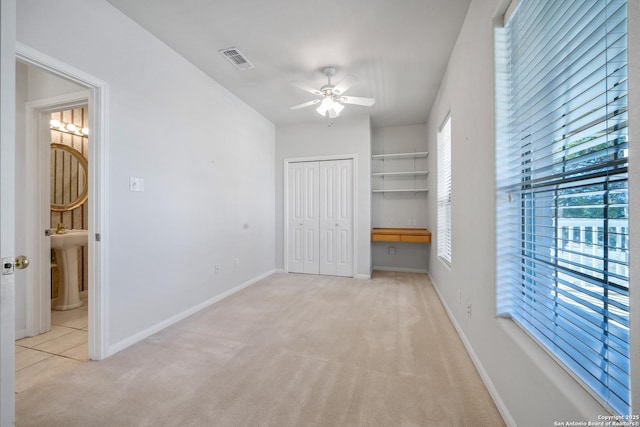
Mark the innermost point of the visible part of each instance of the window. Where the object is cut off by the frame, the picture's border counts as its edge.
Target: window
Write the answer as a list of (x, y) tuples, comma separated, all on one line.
[(444, 191), (561, 156)]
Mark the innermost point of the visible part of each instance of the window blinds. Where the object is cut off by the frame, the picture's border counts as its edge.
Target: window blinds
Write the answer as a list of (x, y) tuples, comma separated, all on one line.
[(562, 217), (444, 191)]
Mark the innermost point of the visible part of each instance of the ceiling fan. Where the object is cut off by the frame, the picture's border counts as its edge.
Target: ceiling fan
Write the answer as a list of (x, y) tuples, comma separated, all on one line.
[(332, 96)]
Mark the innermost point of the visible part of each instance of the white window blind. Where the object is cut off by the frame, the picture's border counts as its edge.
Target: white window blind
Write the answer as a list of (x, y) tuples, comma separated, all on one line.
[(444, 191), (562, 217)]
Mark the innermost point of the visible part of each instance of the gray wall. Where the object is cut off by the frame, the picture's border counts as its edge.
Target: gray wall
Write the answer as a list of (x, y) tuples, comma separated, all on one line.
[(346, 136), (530, 388), (400, 209), (205, 156)]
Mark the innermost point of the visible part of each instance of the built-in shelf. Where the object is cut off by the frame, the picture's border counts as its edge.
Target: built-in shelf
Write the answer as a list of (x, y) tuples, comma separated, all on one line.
[(398, 161), (411, 173), (404, 190), (400, 155)]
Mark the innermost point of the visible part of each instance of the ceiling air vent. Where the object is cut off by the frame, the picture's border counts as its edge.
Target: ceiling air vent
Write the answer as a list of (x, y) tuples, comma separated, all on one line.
[(237, 58)]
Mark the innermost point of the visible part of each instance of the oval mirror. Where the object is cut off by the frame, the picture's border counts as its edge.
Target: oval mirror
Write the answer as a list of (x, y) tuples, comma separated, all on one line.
[(69, 187)]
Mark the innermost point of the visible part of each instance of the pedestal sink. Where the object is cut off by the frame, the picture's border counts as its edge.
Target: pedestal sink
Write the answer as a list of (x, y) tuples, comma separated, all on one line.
[(66, 248)]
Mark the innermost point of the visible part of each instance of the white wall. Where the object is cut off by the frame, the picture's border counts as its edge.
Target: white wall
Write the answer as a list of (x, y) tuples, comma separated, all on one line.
[(205, 157), (346, 136), (530, 387), (399, 209), (42, 84)]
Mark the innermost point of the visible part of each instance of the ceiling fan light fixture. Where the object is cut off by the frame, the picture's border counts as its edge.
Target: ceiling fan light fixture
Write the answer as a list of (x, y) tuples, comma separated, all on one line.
[(325, 106), (321, 110), (331, 96)]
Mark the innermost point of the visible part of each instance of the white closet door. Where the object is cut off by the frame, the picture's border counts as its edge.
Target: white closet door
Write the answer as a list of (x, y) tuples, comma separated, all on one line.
[(336, 218), (303, 217)]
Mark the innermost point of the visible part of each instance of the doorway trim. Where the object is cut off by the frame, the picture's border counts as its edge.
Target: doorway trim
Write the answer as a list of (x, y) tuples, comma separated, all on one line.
[(354, 158), (96, 97), (37, 215)]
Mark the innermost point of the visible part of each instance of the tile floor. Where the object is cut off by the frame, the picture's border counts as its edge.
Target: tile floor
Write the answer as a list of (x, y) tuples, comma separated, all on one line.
[(62, 348)]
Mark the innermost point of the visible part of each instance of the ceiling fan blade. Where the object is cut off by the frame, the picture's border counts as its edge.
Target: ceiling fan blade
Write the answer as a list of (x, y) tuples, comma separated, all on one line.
[(345, 84), (306, 88), (357, 100), (305, 104)]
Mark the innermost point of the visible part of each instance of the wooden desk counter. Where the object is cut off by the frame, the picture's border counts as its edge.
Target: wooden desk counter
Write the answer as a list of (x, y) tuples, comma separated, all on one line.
[(411, 235)]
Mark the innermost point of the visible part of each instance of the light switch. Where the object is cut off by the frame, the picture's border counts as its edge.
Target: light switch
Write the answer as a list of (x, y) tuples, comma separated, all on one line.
[(136, 184)]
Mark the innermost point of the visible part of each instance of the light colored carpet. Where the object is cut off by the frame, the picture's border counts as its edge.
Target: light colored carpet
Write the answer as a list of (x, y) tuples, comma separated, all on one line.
[(292, 350)]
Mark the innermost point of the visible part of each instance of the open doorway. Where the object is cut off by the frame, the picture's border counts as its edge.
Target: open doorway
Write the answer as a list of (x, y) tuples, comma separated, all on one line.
[(60, 328), (75, 98), (52, 144)]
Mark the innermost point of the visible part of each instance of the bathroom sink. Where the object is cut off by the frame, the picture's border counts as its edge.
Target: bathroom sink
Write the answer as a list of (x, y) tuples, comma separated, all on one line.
[(72, 238), (66, 248)]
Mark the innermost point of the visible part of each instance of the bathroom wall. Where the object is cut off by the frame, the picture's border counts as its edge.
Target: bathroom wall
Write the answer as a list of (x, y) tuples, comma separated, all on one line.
[(77, 218)]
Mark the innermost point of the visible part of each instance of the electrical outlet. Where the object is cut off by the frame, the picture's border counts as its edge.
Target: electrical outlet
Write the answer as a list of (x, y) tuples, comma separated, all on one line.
[(392, 250), (237, 261), (469, 309), (218, 269)]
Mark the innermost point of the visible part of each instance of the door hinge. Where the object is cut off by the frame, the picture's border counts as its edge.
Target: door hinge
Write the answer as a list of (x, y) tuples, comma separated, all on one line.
[(98, 237), (47, 232)]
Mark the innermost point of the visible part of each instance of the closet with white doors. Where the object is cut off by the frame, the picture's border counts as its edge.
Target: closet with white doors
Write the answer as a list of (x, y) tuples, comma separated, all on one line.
[(320, 217)]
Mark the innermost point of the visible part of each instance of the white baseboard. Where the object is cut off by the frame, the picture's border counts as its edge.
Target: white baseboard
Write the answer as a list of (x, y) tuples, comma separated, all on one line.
[(356, 276), (502, 408), (127, 342), (400, 269)]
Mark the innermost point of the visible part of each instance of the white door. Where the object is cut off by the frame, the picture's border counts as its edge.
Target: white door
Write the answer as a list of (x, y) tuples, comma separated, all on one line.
[(336, 218), (320, 217), (7, 215), (303, 227)]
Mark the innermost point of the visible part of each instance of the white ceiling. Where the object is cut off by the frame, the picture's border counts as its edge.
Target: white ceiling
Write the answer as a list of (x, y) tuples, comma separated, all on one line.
[(398, 49)]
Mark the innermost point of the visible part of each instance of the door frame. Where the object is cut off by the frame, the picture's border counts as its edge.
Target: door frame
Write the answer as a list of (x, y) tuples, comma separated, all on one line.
[(354, 231), (96, 97), (7, 210), (37, 134)]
